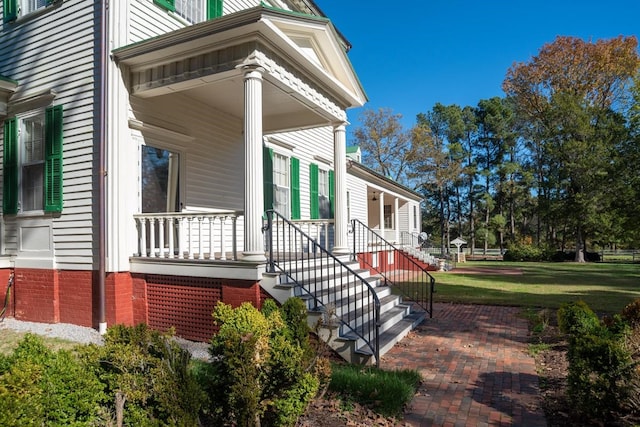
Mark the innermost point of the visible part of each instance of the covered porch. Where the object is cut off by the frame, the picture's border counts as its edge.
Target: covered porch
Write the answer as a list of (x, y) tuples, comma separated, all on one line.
[(203, 99)]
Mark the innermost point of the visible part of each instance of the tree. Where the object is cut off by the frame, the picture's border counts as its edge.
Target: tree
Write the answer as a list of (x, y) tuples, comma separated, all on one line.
[(436, 163), (567, 96), (386, 146)]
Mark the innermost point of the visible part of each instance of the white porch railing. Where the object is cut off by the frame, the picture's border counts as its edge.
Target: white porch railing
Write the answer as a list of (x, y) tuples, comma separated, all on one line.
[(189, 235), (321, 230)]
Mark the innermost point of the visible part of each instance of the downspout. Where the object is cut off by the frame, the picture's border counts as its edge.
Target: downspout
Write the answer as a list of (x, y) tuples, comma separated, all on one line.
[(102, 202)]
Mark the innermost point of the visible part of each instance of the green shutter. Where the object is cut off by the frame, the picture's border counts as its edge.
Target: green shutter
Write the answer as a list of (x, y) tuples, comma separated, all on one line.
[(313, 191), (294, 172), (214, 9), (167, 4), (10, 167), (53, 159), (267, 174), (10, 10), (332, 193)]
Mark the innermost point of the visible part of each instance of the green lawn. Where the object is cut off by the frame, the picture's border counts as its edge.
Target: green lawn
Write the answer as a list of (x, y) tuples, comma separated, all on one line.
[(606, 287)]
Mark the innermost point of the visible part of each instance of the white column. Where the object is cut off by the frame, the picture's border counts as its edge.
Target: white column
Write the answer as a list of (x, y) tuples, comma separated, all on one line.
[(395, 220), (253, 189), (341, 245), (381, 214)]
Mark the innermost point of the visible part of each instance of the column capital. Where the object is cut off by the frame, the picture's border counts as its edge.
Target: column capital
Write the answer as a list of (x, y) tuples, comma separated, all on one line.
[(340, 126), (251, 70)]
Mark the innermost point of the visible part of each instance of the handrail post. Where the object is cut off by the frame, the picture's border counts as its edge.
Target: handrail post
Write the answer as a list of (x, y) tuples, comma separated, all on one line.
[(269, 236)]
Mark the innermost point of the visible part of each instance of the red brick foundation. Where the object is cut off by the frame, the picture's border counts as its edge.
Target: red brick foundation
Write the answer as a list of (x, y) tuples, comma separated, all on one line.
[(5, 274), (163, 302)]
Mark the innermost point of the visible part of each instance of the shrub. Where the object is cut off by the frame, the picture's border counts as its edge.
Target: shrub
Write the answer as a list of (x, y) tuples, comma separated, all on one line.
[(599, 367), (531, 253), (262, 371), (42, 387), (147, 377), (577, 319), (603, 376)]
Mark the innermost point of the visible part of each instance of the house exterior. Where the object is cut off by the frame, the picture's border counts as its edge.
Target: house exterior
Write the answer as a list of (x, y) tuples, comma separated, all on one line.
[(144, 141)]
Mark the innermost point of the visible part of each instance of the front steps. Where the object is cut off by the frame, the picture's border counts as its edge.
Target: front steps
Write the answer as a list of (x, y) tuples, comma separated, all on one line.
[(333, 291)]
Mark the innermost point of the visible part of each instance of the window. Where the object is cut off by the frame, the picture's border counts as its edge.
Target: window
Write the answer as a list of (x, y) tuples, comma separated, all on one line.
[(14, 9), (321, 192), (388, 217), (193, 11), (160, 175), (32, 162), (281, 183)]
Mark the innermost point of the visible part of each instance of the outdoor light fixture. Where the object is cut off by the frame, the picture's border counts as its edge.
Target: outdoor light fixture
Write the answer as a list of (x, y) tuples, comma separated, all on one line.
[(374, 198)]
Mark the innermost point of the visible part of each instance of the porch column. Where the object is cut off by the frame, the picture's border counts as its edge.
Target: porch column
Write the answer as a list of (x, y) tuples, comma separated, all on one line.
[(381, 214), (341, 245), (253, 190), (395, 220)]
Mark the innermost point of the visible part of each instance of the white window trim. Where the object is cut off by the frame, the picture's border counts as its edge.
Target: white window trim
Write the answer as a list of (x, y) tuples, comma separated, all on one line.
[(20, 148)]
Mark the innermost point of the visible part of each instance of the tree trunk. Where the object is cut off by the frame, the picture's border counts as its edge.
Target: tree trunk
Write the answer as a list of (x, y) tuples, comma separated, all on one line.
[(579, 245)]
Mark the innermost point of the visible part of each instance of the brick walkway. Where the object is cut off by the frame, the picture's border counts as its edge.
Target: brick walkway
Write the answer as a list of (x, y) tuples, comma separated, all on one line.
[(475, 369)]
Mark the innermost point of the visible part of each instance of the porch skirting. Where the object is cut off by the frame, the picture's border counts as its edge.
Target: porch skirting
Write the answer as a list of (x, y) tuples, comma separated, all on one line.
[(162, 301)]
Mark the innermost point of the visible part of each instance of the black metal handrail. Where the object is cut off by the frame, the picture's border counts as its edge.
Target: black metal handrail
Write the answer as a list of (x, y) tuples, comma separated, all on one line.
[(325, 279), (398, 269)]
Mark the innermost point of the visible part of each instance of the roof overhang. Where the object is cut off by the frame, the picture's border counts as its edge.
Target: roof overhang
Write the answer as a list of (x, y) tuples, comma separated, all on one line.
[(304, 52), (370, 176)]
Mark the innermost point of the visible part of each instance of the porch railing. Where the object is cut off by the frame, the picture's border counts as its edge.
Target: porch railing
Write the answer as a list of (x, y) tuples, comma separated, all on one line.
[(321, 230), (196, 235), (397, 268), (326, 280)]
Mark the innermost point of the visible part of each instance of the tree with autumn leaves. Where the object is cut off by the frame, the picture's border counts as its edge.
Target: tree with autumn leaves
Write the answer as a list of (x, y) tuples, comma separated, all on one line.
[(554, 162)]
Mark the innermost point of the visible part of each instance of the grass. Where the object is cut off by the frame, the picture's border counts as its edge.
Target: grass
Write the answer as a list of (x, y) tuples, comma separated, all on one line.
[(605, 287), (9, 341), (386, 392)]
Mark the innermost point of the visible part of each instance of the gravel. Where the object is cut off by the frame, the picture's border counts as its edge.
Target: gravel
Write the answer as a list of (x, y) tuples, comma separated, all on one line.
[(84, 335)]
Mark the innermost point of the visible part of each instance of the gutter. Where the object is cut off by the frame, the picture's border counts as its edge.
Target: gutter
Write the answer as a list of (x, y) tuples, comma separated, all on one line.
[(102, 174)]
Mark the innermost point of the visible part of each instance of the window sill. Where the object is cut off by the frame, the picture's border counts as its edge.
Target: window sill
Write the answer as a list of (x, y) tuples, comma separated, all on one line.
[(36, 13)]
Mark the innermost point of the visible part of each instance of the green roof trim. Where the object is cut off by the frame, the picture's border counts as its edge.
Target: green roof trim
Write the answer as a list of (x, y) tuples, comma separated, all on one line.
[(352, 149)]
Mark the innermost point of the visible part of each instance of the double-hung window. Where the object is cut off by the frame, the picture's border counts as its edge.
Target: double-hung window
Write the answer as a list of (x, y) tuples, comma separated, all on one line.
[(321, 192), (14, 9), (281, 183), (193, 11), (32, 162)]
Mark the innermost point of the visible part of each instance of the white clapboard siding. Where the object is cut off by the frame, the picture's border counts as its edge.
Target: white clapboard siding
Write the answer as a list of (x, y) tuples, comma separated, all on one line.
[(357, 198), (53, 51)]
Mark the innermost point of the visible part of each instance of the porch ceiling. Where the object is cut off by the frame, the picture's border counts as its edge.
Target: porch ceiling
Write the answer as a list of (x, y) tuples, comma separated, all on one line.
[(308, 80)]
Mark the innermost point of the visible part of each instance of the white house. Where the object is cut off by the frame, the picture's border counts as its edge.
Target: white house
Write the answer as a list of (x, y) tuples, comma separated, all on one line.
[(143, 143)]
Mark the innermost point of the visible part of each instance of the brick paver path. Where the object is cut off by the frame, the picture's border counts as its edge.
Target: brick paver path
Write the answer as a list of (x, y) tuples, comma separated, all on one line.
[(475, 368)]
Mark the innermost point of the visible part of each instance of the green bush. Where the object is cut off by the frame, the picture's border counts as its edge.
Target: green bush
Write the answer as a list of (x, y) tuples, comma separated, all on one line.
[(147, 377), (599, 367), (577, 319), (261, 372), (530, 253), (603, 377), (42, 387)]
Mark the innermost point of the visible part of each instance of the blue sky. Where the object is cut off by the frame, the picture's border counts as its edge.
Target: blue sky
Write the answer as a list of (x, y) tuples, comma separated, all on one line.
[(411, 54)]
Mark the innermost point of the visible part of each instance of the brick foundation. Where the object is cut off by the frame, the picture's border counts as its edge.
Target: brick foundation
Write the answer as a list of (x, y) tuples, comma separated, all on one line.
[(5, 274), (163, 302)]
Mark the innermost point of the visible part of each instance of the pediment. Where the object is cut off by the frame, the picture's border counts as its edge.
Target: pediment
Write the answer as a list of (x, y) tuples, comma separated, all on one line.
[(317, 40)]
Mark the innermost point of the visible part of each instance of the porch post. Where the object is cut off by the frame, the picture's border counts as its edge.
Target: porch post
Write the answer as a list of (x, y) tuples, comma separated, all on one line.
[(341, 244), (395, 220), (381, 214), (253, 191)]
